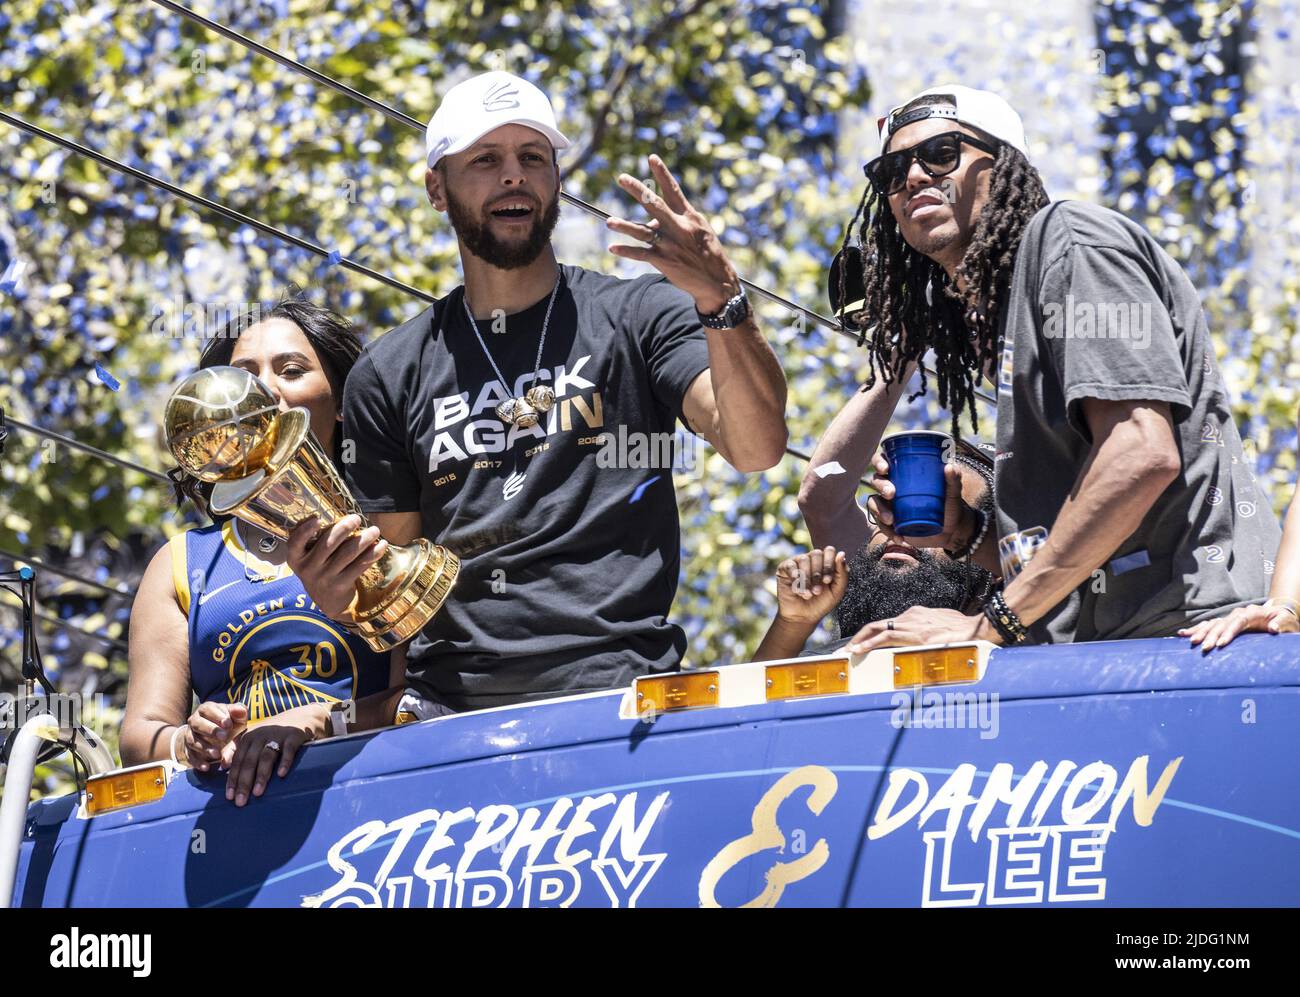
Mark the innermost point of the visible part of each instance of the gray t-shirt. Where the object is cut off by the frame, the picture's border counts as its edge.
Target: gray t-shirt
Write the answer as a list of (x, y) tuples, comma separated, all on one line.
[(1098, 310)]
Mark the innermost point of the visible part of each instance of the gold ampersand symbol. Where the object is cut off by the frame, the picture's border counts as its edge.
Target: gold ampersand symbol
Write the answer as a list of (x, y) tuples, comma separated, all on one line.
[(767, 834)]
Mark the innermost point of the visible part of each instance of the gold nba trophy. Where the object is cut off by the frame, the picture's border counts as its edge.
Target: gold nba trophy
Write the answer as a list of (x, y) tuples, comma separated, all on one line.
[(224, 426)]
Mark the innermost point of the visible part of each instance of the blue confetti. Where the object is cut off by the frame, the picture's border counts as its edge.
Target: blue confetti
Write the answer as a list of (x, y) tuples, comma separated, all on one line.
[(13, 276), (106, 377), (640, 489)]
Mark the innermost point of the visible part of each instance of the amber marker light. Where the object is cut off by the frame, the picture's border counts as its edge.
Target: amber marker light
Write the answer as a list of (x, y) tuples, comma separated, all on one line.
[(794, 680), (936, 666), (679, 691), (127, 788)]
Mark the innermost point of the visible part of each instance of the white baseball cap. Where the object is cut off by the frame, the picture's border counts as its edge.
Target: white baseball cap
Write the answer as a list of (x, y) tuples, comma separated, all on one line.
[(474, 107), (978, 108)]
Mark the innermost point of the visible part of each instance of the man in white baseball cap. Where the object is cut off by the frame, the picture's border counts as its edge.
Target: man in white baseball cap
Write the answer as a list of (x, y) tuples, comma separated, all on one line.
[(1107, 494), (484, 113), (979, 109), (475, 106), (511, 421)]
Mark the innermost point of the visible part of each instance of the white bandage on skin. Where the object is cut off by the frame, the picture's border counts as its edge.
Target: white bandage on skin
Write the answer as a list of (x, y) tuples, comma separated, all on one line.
[(825, 470)]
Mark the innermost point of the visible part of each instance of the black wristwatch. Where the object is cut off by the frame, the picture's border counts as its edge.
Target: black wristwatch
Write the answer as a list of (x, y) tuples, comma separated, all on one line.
[(732, 314)]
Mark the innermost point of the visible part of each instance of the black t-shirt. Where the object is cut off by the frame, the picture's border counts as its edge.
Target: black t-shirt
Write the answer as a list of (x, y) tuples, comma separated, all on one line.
[(568, 568)]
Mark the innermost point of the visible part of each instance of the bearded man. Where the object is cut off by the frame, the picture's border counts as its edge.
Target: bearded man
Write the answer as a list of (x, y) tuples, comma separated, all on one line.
[(478, 423)]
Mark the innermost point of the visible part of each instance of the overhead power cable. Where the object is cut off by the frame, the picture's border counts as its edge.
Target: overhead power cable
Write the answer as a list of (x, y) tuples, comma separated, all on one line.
[(221, 209), (405, 119), (76, 444)]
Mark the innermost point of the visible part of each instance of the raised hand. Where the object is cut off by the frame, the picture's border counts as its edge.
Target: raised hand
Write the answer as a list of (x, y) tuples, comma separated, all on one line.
[(808, 586), (329, 562), (955, 511), (682, 243)]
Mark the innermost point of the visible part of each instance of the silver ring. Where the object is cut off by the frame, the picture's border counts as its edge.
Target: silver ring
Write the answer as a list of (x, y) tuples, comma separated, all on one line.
[(889, 624), (658, 234), (273, 745)]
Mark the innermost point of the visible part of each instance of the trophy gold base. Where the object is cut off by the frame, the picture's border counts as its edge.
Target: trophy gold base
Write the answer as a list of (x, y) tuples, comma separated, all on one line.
[(421, 574), (398, 594)]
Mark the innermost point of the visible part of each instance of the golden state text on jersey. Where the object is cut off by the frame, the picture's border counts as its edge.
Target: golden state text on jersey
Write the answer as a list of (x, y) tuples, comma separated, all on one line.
[(256, 637)]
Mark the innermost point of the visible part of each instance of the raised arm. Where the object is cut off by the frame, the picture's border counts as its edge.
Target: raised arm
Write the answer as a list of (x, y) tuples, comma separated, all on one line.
[(829, 502), (738, 403), (808, 586)]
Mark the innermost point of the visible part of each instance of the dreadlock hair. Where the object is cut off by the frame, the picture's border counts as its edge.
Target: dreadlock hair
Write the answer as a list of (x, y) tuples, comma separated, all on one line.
[(913, 304), (332, 336)]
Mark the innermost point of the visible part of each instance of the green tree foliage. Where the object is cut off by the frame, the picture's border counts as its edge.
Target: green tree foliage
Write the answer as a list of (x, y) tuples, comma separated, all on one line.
[(740, 98)]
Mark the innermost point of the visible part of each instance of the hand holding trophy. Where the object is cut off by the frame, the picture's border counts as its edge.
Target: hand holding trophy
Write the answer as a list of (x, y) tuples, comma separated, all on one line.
[(224, 426)]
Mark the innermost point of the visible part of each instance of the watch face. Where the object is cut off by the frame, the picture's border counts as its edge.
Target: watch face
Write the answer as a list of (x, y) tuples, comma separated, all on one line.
[(736, 310), (732, 314)]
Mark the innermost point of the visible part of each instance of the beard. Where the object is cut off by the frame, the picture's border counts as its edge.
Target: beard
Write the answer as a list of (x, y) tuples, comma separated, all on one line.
[(476, 233), (881, 590), (931, 241)]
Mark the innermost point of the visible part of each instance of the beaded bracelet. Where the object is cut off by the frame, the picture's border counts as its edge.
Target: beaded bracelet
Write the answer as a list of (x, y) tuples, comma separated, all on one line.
[(1004, 620)]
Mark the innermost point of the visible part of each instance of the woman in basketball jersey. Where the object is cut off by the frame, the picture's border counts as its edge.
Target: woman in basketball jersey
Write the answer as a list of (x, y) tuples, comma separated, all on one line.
[(220, 617)]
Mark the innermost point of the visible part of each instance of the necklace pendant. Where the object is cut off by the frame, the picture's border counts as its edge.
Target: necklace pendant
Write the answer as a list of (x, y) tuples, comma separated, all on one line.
[(525, 414), (517, 412), (540, 397), (522, 412), (267, 544)]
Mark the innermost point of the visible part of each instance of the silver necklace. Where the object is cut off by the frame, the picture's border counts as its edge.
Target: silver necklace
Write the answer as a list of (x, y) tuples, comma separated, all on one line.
[(265, 544), (539, 398)]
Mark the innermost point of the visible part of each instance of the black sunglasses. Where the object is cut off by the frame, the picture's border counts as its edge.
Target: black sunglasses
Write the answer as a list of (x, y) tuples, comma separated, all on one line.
[(938, 156)]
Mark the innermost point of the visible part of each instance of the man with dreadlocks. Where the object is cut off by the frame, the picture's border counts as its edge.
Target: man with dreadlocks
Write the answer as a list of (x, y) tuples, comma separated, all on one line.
[(1125, 507)]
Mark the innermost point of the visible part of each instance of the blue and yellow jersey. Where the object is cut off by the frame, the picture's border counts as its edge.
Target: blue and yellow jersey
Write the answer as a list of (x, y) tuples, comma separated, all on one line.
[(256, 637)]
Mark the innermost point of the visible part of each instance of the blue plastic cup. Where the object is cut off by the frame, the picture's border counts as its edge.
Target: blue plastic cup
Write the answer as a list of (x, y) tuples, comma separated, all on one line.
[(916, 461)]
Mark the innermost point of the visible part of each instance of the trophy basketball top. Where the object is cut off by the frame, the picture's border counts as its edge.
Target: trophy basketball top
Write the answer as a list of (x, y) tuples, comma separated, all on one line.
[(221, 423)]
